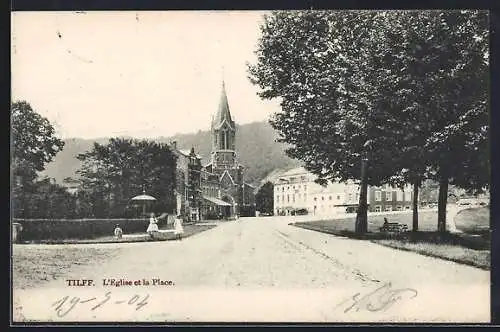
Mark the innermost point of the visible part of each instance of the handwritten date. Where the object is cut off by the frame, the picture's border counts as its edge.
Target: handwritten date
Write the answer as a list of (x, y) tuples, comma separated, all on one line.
[(380, 299), (67, 304)]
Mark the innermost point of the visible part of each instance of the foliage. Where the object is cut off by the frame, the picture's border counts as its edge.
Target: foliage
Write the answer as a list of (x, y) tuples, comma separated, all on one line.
[(33, 137), (404, 89), (112, 174), (33, 145), (264, 199)]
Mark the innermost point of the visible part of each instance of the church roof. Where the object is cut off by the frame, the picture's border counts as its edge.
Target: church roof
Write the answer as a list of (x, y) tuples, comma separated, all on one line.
[(223, 113)]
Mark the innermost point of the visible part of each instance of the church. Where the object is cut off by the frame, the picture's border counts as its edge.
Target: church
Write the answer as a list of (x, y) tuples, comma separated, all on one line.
[(216, 190)]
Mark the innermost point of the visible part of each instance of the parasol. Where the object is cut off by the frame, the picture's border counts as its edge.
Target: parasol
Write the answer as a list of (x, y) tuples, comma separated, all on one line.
[(143, 198)]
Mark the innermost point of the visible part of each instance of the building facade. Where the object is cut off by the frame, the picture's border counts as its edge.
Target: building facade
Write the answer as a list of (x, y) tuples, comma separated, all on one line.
[(388, 198), (295, 191), (215, 190)]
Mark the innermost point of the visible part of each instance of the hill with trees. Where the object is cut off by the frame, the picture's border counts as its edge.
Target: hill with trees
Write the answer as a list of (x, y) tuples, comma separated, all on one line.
[(256, 146)]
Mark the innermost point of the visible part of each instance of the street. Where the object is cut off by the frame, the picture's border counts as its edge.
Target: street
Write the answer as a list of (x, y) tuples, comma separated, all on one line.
[(262, 270)]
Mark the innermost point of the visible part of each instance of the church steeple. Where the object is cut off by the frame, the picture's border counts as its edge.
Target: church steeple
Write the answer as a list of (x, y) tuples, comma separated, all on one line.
[(223, 113), (223, 133)]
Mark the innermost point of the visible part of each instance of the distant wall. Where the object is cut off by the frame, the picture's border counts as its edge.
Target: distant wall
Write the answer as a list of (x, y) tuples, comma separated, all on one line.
[(57, 229)]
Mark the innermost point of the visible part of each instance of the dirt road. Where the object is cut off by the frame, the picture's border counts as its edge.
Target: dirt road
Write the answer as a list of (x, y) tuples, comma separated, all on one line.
[(261, 270)]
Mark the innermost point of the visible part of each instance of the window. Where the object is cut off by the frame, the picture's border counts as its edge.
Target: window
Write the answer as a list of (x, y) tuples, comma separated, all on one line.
[(277, 199), (315, 199), (300, 186), (357, 197), (288, 198), (400, 195), (288, 188), (283, 198), (399, 208), (305, 187), (300, 196), (378, 208), (350, 197), (293, 198), (330, 198), (378, 196), (388, 196), (293, 187), (388, 208), (338, 197), (305, 197), (322, 198), (283, 188), (408, 196)]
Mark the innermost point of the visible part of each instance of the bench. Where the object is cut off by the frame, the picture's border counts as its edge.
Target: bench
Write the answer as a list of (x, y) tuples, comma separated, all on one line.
[(394, 227)]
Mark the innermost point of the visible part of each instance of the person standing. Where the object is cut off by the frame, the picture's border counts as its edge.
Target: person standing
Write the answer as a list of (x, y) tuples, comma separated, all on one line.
[(153, 226), (178, 229), (118, 232)]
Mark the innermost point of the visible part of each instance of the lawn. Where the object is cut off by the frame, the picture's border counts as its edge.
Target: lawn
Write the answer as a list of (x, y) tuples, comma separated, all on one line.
[(472, 247), (33, 265), (455, 253), (475, 221), (427, 222)]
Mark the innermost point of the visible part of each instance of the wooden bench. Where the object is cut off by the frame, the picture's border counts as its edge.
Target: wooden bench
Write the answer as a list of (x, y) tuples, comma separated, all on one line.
[(394, 227)]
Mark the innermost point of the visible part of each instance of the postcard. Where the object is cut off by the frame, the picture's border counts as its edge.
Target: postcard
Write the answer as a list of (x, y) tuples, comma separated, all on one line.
[(250, 166)]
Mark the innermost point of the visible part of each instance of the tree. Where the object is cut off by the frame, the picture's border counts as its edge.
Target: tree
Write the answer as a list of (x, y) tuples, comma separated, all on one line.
[(325, 68), (443, 88), (380, 96), (264, 199), (112, 174), (50, 200), (33, 144)]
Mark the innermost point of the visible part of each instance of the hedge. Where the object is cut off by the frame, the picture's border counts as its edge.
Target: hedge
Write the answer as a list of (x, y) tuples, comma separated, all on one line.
[(58, 229)]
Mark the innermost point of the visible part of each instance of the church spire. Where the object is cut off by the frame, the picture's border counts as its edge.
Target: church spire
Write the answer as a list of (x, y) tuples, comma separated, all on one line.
[(223, 113)]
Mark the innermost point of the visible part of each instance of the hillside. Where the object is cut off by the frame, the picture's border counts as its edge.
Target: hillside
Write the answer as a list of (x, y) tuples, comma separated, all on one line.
[(255, 143)]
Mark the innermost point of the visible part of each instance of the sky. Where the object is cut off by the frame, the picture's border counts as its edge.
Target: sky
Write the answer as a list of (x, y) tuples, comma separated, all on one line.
[(140, 74)]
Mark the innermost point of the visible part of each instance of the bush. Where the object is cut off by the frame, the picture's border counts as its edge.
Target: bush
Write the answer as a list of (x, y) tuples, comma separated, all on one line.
[(58, 229)]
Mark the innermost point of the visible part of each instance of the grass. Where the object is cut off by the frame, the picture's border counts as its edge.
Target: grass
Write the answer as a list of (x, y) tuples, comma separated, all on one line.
[(472, 247), (33, 265), (189, 230), (455, 253)]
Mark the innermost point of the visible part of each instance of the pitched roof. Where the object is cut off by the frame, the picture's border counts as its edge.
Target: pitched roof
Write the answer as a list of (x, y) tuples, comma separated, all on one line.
[(223, 113), (295, 171), (224, 174)]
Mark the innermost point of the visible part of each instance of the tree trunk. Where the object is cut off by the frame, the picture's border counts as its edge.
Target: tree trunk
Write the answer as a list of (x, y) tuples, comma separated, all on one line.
[(416, 184), (361, 225), (442, 202)]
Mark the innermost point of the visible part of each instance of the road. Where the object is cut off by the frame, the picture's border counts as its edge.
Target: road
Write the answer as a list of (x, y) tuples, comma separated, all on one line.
[(263, 270)]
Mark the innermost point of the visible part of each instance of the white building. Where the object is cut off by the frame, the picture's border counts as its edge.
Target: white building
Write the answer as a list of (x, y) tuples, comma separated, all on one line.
[(296, 192)]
